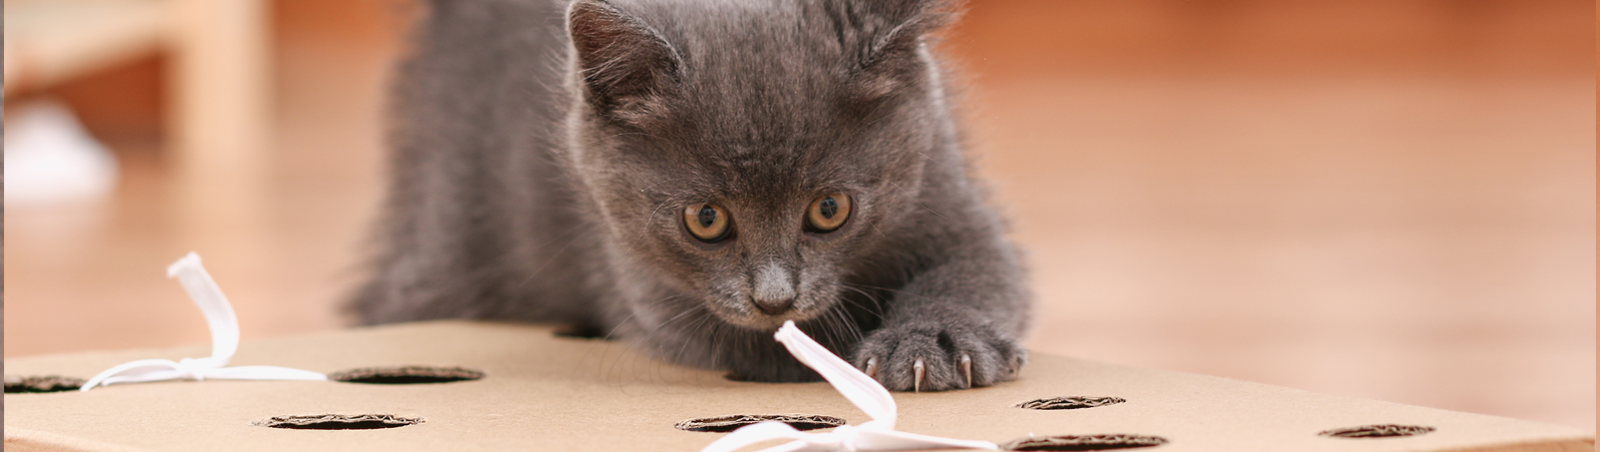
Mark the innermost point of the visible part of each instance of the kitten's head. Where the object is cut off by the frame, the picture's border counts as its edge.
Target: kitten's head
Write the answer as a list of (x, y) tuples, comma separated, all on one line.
[(751, 152)]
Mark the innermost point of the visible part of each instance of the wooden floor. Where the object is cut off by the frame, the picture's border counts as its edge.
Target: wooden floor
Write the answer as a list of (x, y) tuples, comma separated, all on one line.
[(1383, 199)]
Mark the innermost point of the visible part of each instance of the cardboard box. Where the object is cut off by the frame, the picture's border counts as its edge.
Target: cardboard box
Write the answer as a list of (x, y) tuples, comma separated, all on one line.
[(538, 391)]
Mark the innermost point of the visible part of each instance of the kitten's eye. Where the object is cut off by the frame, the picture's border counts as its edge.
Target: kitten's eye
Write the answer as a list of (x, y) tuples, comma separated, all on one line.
[(706, 222), (828, 212)]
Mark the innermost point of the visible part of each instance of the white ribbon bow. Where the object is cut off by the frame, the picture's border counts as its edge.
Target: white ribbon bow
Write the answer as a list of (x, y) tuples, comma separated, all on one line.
[(863, 391), (224, 341)]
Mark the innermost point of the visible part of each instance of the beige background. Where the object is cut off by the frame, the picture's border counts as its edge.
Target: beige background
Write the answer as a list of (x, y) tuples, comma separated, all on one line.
[(1384, 199)]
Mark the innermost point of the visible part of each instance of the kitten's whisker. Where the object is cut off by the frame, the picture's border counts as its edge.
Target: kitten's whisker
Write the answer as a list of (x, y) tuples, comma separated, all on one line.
[(631, 316), (875, 307), (546, 264), (634, 313), (850, 326), (840, 330), (825, 324), (895, 291), (646, 226), (702, 320), (676, 317)]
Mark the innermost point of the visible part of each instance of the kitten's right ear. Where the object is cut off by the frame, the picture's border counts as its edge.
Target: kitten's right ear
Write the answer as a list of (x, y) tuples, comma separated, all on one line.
[(623, 62)]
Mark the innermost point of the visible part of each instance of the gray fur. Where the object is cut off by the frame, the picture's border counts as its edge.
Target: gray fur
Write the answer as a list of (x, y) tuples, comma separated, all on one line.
[(545, 153)]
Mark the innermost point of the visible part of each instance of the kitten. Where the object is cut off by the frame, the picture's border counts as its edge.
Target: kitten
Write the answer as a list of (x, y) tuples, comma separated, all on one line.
[(688, 174)]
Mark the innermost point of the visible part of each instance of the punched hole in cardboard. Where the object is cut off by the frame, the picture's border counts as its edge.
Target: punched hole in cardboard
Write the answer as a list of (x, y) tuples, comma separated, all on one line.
[(734, 421), (337, 422), (584, 332), (1378, 431), (1083, 442), (1069, 403), (406, 375), (16, 384)]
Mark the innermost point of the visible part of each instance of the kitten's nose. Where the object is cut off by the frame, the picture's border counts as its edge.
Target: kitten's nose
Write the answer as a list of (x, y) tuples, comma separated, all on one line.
[(774, 293)]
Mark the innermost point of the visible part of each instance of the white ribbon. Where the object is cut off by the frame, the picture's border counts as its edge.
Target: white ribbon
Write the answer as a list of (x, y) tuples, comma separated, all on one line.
[(861, 390), (224, 341)]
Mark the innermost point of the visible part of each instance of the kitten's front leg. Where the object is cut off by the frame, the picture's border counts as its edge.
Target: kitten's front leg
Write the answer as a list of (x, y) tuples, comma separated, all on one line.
[(955, 326)]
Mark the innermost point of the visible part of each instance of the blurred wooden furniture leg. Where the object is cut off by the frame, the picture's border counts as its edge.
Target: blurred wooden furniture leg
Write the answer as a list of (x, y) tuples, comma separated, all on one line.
[(219, 126), (220, 129)]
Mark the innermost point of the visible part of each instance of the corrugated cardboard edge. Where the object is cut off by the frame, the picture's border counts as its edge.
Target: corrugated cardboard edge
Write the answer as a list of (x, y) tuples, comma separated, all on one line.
[(20, 440), (1570, 445)]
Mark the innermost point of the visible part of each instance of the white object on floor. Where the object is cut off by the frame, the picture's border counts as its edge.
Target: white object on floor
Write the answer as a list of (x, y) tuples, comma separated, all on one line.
[(51, 159), (224, 341), (862, 390)]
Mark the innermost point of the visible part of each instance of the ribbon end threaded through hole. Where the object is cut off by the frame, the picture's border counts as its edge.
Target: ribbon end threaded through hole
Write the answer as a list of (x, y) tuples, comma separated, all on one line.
[(1378, 431), (734, 421), (16, 384), (337, 422), (405, 375), (1083, 442), (1070, 403)]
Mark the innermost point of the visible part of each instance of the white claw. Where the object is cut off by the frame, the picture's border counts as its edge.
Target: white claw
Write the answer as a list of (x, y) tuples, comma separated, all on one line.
[(966, 367), (919, 369)]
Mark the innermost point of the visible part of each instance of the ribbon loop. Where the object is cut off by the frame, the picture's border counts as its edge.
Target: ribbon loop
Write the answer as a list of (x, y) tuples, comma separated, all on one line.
[(224, 326), (855, 385)]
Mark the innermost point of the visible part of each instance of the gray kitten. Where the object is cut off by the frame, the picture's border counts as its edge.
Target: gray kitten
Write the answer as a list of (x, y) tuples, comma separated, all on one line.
[(688, 174)]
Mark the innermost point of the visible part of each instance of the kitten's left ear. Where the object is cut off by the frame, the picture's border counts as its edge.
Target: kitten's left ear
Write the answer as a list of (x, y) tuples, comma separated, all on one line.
[(891, 54), (623, 61), (909, 21)]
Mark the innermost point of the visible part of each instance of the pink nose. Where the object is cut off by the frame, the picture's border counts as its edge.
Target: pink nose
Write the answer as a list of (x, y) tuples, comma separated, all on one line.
[(774, 307)]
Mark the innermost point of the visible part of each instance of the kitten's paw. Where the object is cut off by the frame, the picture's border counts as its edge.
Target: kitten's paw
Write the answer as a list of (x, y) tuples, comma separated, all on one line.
[(938, 357)]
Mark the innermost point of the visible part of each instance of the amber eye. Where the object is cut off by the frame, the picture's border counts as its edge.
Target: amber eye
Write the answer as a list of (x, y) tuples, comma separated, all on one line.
[(706, 222), (828, 212)]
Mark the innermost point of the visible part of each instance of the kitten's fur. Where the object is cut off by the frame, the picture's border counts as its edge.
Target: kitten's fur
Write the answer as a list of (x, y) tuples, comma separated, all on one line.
[(545, 153)]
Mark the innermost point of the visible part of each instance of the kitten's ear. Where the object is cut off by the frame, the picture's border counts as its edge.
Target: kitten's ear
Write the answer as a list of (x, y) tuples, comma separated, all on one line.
[(623, 62), (890, 57)]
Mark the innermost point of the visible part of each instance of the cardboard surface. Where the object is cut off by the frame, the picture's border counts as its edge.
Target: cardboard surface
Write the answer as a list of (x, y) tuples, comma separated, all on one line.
[(543, 392)]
